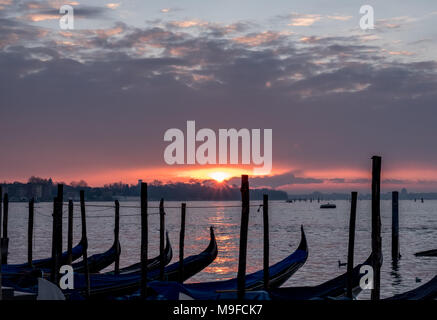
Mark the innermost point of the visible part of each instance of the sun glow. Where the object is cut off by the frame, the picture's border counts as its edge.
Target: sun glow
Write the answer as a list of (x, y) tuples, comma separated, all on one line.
[(219, 176)]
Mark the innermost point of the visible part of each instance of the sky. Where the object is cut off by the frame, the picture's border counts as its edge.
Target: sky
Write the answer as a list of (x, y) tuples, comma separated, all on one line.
[(94, 102)]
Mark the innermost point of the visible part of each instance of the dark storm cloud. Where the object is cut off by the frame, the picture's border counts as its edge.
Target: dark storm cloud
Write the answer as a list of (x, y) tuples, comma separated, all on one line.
[(100, 99)]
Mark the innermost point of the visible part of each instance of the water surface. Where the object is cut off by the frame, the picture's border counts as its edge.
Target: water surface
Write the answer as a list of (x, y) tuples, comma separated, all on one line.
[(326, 230)]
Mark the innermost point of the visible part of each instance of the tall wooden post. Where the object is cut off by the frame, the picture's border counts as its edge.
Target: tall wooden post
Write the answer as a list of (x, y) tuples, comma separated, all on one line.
[(351, 245), (161, 239), (59, 220), (85, 242), (376, 227), (1, 200), (70, 232), (30, 232), (182, 243), (144, 240), (116, 237), (395, 227), (5, 238), (55, 257), (266, 240), (241, 276)]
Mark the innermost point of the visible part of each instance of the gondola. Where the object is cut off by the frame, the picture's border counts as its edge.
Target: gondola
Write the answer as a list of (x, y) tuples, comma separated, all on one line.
[(328, 206), (107, 286), (428, 253), (46, 263), (110, 286), (152, 264), (278, 274), (98, 262), (334, 288), (427, 291)]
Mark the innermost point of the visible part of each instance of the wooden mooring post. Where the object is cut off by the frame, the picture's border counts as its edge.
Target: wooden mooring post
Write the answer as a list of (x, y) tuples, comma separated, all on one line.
[(395, 252), (117, 237), (30, 232), (70, 232), (53, 262), (144, 239), (161, 239), (182, 243), (5, 238), (376, 227), (1, 200), (266, 240), (85, 243), (59, 221), (351, 244), (241, 276), (57, 209)]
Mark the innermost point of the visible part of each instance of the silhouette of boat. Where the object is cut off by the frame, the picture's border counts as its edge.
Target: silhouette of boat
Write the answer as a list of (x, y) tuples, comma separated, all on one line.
[(328, 206), (279, 273), (427, 291), (109, 286), (429, 253)]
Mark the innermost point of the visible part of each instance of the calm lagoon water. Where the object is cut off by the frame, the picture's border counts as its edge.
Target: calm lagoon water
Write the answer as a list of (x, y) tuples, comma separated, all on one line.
[(326, 230)]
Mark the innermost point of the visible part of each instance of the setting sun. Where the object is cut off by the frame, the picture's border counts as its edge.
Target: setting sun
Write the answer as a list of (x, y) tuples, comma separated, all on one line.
[(219, 176)]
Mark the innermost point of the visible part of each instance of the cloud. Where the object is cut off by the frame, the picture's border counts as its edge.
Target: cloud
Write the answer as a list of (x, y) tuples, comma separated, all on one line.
[(394, 22), (112, 93), (340, 17), (257, 39), (37, 17), (304, 20), (400, 53), (112, 5), (188, 23), (279, 180), (4, 4), (50, 11)]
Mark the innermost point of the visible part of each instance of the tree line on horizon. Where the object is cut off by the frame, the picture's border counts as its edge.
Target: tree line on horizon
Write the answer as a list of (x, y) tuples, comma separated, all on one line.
[(195, 190), (207, 190)]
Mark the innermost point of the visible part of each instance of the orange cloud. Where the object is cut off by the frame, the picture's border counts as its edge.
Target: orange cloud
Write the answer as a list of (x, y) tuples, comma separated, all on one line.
[(340, 17), (257, 39), (105, 33), (304, 20), (401, 53), (37, 17), (112, 5), (189, 23), (4, 3)]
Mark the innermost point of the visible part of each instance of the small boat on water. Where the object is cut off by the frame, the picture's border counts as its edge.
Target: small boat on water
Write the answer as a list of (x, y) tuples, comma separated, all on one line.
[(152, 264), (328, 206), (428, 253), (46, 263), (98, 261), (110, 286), (427, 291), (279, 273), (27, 277), (334, 288)]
